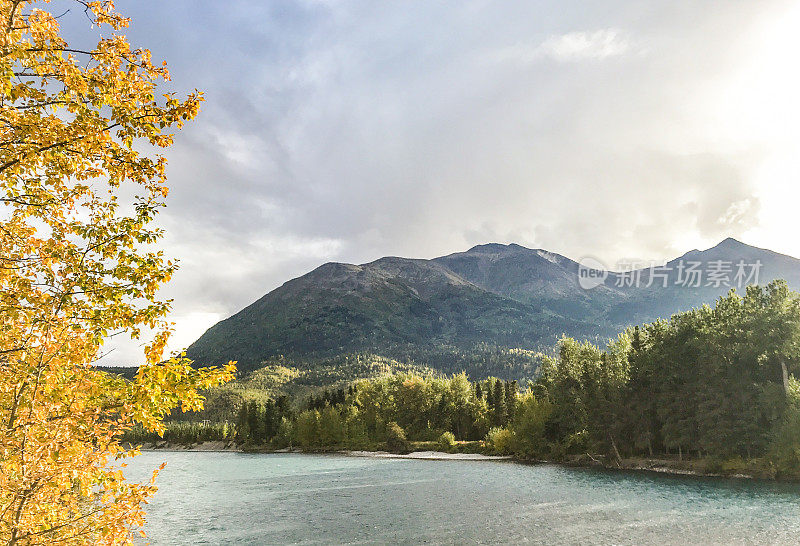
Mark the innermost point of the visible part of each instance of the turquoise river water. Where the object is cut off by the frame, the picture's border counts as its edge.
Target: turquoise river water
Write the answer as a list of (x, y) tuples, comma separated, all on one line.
[(233, 498)]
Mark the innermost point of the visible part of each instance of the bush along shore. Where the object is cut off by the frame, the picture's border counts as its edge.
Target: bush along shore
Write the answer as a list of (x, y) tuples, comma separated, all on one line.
[(711, 392), (483, 451)]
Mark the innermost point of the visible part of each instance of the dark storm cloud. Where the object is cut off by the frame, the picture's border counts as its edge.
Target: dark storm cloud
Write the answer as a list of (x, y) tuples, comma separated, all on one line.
[(350, 130)]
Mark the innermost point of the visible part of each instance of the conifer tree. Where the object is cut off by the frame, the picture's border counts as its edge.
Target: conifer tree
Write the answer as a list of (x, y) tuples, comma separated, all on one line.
[(499, 398)]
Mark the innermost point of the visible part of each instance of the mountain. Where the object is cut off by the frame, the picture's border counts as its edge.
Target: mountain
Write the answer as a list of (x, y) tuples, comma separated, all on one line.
[(537, 277), (648, 303), (506, 295)]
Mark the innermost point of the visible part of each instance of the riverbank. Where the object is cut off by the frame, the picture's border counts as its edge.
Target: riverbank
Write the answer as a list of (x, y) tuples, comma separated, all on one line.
[(291, 499), (735, 468), (702, 468), (210, 446), (427, 455), (424, 455)]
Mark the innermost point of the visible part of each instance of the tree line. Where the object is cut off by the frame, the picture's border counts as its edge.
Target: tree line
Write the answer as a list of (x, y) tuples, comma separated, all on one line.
[(710, 384), (373, 411)]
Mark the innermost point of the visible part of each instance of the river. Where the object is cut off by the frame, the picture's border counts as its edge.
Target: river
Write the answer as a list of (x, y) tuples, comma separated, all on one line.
[(234, 498)]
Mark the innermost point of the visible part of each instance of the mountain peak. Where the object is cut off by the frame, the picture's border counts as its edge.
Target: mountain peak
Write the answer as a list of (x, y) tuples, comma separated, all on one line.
[(494, 248), (729, 243), (727, 248), (488, 247), (502, 294)]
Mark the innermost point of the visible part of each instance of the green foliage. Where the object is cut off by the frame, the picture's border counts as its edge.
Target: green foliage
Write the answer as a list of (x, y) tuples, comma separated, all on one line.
[(306, 433), (297, 380), (285, 435), (372, 412), (331, 427), (528, 427), (257, 423), (501, 441), (478, 360), (705, 384), (447, 441), (785, 443), (396, 440), (182, 433), (499, 413), (708, 381)]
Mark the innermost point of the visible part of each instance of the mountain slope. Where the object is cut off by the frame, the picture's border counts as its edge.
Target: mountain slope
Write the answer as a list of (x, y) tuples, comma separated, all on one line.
[(389, 302), (656, 301), (544, 279), (507, 295)]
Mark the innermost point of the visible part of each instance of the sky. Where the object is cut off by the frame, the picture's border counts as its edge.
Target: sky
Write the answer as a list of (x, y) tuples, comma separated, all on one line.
[(346, 131)]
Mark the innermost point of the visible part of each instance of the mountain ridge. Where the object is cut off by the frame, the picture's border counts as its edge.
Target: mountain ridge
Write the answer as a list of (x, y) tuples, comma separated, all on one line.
[(508, 295)]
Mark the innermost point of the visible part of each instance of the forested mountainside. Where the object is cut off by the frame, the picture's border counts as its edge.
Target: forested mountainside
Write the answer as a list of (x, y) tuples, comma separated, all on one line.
[(502, 295)]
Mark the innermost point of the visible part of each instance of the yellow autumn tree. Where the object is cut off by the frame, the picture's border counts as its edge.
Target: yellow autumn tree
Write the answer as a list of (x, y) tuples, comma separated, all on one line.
[(79, 262)]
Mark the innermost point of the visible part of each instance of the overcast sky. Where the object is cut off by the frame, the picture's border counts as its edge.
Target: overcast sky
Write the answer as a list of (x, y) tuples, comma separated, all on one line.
[(347, 131)]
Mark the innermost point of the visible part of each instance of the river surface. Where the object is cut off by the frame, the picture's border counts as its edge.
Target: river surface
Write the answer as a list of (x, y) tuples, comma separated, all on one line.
[(233, 498)]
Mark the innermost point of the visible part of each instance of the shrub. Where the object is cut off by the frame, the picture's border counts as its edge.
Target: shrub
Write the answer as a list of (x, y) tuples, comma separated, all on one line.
[(429, 434), (447, 441), (285, 436), (501, 440), (733, 465), (396, 438)]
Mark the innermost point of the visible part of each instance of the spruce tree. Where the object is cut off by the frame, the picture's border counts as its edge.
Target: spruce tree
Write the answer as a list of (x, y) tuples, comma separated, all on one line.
[(499, 410), (242, 428), (270, 423), (254, 422), (511, 400)]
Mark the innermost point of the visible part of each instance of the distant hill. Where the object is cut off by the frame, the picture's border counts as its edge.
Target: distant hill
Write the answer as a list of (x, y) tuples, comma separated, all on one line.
[(506, 295)]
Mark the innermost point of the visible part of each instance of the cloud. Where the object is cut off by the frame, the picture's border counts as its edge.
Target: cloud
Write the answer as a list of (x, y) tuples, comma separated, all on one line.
[(347, 131), (571, 47)]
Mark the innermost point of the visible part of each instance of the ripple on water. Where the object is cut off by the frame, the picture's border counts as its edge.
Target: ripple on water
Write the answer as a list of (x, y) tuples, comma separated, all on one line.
[(231, 498)]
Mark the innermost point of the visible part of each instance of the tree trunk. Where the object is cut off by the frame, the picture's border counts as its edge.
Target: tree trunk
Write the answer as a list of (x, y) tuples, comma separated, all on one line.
[(785, 377), (616, 451), (680, 453)]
